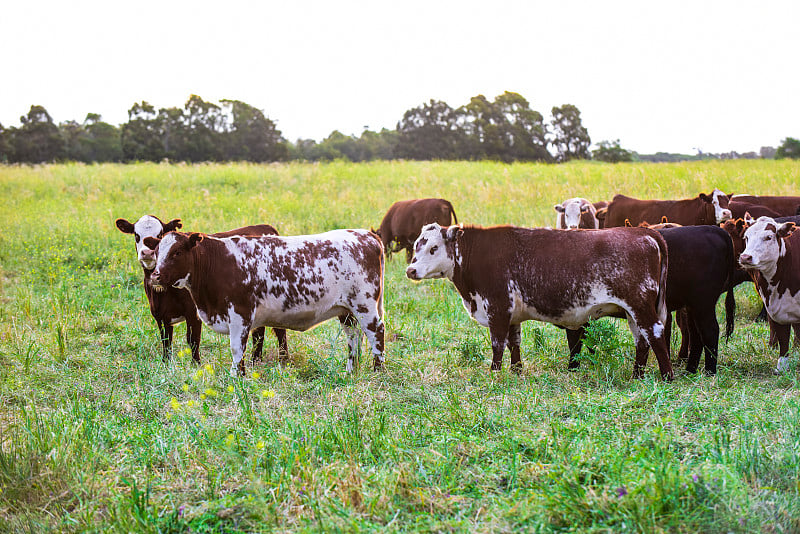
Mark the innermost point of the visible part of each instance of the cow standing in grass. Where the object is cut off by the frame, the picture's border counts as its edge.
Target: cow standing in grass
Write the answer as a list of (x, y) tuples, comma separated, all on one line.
[(173, 306), (506, 275), (405, 218), (295, 282)]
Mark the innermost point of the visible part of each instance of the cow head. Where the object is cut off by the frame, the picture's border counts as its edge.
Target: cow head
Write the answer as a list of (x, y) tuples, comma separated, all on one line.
[(434, 252), (719, 201), (570, 212), (174, 259), (147, 226), (763, 243)]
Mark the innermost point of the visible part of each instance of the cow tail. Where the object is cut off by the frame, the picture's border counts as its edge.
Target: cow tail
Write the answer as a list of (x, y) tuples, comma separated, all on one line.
[(453, 213), (662, 283), (730, 302)]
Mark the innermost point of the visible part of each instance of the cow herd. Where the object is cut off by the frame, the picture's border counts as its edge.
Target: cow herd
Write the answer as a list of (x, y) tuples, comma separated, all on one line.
[(602, 259)]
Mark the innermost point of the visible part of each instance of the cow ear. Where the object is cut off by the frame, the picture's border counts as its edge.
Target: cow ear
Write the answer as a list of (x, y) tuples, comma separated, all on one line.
[(151, 242), (584, 208), (664, 219), (748, 219), (705, 198), (559, 208), (454, 232), (174, 224), (786, 229), (124, 226), (601, 214), (628, 223), (194, 239)]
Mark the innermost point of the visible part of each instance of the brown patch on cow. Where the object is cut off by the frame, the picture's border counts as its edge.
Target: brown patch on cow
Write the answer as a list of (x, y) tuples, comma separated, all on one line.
[(404, 221)]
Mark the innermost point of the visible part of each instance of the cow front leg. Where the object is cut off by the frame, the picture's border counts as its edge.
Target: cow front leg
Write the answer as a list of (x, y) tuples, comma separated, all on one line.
[(373, 327), (165, 333), (575, 344), (194, 328), (353, 334), (258, 344), (514, 341), (782, 333), (239, 337), (706, 334), (498, 330), (283, 346)]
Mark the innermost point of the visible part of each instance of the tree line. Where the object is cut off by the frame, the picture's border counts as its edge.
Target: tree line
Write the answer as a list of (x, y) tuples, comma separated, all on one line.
[(504, 129)]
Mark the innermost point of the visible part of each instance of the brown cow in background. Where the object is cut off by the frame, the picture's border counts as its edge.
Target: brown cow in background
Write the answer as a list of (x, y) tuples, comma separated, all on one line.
[(784, 206), (703, 209), (405, 218)]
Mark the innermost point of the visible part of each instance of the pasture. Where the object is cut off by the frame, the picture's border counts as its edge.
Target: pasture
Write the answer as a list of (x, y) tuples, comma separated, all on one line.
[(97, 434)]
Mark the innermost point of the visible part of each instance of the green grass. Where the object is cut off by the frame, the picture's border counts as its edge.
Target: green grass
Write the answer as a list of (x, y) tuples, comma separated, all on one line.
[(97, 435)]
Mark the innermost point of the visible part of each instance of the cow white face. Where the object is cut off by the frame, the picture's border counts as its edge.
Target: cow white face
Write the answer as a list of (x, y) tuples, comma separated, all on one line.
[(763, 244), (720, 202), (433, 256), (174, 260), (147, 226), (571, 210)]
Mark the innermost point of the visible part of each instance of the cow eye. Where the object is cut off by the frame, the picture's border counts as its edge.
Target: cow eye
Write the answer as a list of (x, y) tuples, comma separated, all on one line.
[(136, 236), (768, 238), (433, 250)]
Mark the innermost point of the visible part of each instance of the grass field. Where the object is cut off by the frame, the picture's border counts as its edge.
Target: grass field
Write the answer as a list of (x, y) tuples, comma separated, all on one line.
[(96, 434)]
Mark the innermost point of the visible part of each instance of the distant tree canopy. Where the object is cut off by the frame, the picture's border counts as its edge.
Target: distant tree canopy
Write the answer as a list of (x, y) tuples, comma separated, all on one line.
[(611, 152), (790, 148)]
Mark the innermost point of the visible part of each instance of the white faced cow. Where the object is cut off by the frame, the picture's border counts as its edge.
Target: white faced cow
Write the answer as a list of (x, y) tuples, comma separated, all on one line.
[(772, 251), (292, 282), (506, 275), (576, 213)]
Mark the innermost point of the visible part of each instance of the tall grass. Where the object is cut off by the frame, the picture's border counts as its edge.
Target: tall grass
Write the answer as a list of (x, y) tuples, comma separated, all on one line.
[(97, 434)]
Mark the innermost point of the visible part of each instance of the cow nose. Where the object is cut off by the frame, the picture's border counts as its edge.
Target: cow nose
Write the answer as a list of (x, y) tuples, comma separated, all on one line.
[(411, 272), (745, 259), (726, 214), (155, 278), (573, 226)]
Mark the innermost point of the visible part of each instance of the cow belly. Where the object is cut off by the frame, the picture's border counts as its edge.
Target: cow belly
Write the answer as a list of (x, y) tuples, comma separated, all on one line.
[(600, 304), (300, 318), (177, 320)]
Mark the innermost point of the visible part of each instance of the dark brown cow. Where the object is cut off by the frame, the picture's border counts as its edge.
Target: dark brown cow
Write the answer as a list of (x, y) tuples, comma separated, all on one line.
[(576, 213), (739, 208), (174, 306), (703, 209), (240, 283), (506, 275), (405, 218), (784, 206)]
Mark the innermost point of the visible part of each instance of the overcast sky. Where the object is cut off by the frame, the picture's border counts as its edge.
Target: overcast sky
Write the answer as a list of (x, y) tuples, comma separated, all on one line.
[(658, 75)]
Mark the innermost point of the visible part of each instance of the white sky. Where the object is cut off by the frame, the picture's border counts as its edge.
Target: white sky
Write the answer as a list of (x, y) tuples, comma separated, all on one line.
[(666, 75)]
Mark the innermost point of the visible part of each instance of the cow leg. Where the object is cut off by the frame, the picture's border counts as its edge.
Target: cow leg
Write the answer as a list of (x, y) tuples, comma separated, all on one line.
[(165, 331), (498, 329), (350, 327), (782, 333), (258, 344), (239, 335), (762, 315), (685, 326), (194, 327), (693, 339), (773, 336), (649, 333), (706, 334), (575, 344), (283, 346), (796, 328), (514, 340)]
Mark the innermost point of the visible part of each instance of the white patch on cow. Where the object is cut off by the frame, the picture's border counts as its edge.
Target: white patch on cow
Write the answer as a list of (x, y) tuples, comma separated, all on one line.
[(163, 250), (721, 214), (182, 283), (658, 330), (236, 328), (177, 320), (147, 226), (430, 255), (573, 208), (216, 323), (481, 305)]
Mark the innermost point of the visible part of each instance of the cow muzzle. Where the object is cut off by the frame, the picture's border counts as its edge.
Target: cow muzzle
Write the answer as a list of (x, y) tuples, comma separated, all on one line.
[(411, 273), (155, 283), (746, 261), (724, 216)]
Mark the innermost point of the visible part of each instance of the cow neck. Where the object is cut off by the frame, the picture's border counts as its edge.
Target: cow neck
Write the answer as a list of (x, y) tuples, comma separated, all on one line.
[(462, 253), (203, 273), (784, 272)]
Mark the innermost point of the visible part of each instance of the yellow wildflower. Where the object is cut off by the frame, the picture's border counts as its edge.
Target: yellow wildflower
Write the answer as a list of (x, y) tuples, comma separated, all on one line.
[(210, 392), (230, 389), (256, 374), (268, 393), (202, 396), (190, 404), (229, 440), (185, 387), (260, 445), (174, 404)]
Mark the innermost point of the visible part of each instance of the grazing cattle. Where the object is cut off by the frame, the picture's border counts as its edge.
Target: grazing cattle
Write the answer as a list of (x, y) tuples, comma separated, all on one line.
[(575, 213), (405, 218), (784, 206), (660, 226), (506, 275), (173, 306), (739, 208), (240, 283), (703, 209), (701, 268)]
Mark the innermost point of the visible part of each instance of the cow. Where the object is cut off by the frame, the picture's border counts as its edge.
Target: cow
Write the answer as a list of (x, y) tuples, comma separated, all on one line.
[(703, 209), (660, 226), (240, 283), (739, 208), (506, 275), (576, 213), (174, 306), (701, 268), (784, 206), (772, 253), (405, 218)]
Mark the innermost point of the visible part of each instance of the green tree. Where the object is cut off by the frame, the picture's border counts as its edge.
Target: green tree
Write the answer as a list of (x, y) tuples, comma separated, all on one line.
[(6, 146), (570, 138), (612, 152), (252, 136), (790, 148), (206, 124), (76, 141), (103, 139), (141, 135), (429, 132), (38, 140), (522, 128)]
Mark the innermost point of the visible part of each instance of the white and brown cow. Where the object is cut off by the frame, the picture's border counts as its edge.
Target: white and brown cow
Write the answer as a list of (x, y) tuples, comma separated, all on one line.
[(295, 282), (576, 213), (506, 275), (772, 254), (174, 306)]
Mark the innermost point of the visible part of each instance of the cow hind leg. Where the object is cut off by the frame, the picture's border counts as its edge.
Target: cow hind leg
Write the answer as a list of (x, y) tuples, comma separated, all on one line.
[(239, 335), (498, 329), (375, 330), (353, 334), (649, 333), (258, 344), (165, 332), (575, 344), (514, 341), (706, 335), (194, 328), (782, 333), (283, 346)]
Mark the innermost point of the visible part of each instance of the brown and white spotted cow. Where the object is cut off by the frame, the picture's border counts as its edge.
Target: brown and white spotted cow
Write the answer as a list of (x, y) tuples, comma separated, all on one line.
[(703, 209), (173, 306), (772, 254), (576, 213), (405, 218), (295, 282), (506, 275)]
